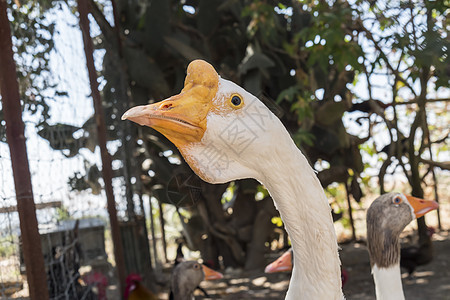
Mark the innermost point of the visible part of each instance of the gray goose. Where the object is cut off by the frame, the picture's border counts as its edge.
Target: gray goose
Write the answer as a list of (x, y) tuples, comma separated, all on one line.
[(186, 277), (387, 216)]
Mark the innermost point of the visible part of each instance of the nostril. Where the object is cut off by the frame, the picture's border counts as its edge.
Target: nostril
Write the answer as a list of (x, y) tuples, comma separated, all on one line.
[(166, 106)]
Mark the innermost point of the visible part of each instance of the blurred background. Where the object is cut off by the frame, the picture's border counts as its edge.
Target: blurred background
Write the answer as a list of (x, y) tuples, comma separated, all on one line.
[(362, 86)]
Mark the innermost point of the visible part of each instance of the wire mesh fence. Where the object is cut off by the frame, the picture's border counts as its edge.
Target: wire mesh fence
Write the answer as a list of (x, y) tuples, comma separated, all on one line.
[(63, 160)]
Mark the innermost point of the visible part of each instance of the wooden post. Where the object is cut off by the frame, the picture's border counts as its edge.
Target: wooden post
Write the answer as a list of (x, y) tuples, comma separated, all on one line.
[(101, 129), (350, 212), (163, 230), (31, 241), (436, 196), (152, 229)]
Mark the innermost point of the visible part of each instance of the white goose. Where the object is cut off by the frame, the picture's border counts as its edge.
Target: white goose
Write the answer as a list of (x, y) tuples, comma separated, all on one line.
[(225, 133), (387, 216)]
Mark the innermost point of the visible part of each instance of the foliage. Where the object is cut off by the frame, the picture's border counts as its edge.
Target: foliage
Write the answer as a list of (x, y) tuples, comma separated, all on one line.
[(277, 221), (62, 214), (7, 246), (33, 32), (411, 48), (308, 55)]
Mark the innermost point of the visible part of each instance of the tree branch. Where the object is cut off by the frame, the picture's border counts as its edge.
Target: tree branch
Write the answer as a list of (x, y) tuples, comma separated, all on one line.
[(445, 165), (386, 60), (414, 101), (104, 25)]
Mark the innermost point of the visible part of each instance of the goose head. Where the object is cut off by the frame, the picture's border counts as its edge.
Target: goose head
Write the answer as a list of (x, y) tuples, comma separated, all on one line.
[(187, 276), (217, 125), (387, 216)]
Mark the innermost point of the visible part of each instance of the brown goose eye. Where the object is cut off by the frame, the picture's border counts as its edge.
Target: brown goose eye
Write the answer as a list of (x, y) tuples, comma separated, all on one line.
[(196, 266), (397, 200)]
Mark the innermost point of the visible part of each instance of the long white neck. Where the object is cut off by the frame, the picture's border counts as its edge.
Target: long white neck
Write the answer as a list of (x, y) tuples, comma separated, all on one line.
[(306, 214), (388, 282)]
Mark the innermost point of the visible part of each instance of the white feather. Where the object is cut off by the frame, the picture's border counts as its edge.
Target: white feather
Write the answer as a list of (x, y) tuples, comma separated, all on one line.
[(388, 283), (251, 142)]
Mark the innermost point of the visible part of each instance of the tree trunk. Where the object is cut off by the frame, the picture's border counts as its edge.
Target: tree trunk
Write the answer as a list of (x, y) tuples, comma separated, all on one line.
[(262, 229)]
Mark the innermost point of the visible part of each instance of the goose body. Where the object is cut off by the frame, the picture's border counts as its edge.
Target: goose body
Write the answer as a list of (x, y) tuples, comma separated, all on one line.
[(387, 216), (225, 133)]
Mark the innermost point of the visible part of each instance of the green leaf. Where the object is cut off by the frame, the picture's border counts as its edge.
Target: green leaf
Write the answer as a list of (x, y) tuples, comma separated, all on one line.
[(277, 221), (289, 94)]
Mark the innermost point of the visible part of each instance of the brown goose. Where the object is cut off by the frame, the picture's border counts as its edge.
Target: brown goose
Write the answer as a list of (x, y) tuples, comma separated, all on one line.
[(387, 216)]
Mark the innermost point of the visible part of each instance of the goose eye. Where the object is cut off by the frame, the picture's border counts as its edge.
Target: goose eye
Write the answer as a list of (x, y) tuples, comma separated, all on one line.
[(397, 200), (236, 101), (196, 266)]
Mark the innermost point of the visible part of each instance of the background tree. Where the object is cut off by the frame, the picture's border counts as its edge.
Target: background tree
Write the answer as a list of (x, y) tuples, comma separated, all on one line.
[(307, 60), (262, 47), (411, 45), (33, 41)]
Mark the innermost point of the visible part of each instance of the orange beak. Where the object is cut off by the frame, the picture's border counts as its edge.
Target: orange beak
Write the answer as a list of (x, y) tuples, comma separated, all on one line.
[(210, 274), (283, 263), (421, 206), (182, 118), (178, 118)]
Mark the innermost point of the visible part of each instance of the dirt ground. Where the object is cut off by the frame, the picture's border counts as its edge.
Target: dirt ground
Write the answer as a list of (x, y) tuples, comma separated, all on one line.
[(431, 281)]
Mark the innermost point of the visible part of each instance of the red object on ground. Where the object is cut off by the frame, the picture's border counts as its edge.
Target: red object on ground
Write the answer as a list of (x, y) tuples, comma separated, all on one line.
[(99, 280)]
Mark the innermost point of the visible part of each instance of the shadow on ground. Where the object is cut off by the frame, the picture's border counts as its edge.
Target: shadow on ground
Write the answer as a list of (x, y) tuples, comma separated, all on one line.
[(431, 281)]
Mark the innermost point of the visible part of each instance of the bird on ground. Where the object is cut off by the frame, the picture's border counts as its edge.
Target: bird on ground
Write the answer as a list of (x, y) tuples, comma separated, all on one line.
[(413, 256), (285, 263), (99, 281), (387, 216), (135, 290), (186, 277), (180, 258), (225, 133)]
